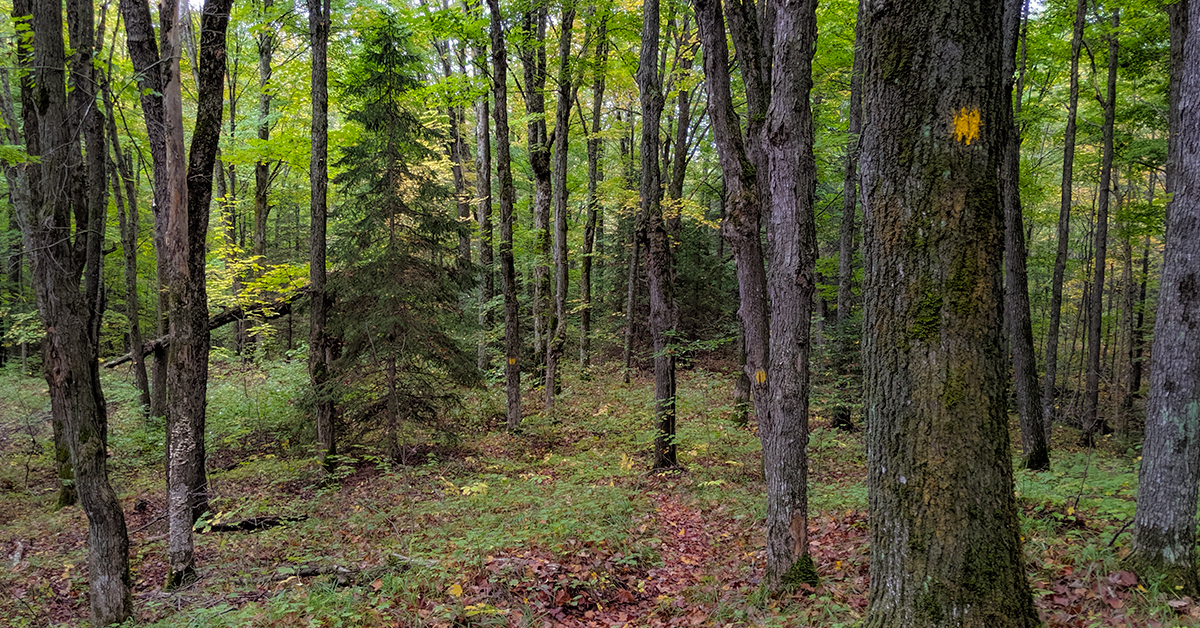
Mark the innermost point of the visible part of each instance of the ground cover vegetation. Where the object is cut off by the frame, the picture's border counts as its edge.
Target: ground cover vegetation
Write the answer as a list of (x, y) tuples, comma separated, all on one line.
[(755, 312)]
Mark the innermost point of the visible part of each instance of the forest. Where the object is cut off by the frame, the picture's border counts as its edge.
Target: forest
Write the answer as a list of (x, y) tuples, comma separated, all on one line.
[(588, 313)]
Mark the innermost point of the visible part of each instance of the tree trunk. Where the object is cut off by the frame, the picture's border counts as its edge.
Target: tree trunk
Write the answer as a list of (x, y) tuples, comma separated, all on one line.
[(944, 537), (72, 373), (791, 283), (508, 273), (1139, 341), (1049, 391), (562, 126), (262, 169), (1164, 533), (483, 192), (1093, 423), (1035, 447), (656, 238), (595, 175), (533, 60), (320, 351), (846, 248), (630, 293)]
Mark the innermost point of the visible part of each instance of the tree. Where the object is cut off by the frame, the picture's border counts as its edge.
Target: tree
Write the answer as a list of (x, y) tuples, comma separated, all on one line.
[(557, 337), (58, 259), (533, 61), (1034, 436), (1164, 534), (1092, 422), (656, 238), (944, 533), (508, 273), (320, 351), (595, 176)]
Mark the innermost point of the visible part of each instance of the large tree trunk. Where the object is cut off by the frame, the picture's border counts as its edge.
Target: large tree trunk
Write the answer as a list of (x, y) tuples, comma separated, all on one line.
[(508, 273), (655, 235), (945, 545), (562, 126), (483, 192), (187, 226), (595, 175), (533, 60), (70, 345), (1036, 448), (1049, 384), (1092, 421), (320, 350), (791, 282), (1164, 533)]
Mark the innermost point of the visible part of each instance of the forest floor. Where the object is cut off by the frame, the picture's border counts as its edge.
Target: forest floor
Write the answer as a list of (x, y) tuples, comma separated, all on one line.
[(560, 525)]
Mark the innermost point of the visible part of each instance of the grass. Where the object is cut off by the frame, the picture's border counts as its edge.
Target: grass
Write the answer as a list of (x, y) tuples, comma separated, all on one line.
[(559, 523)]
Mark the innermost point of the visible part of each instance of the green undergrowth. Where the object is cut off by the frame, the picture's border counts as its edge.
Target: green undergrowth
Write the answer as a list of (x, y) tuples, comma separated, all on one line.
[(480, 527)]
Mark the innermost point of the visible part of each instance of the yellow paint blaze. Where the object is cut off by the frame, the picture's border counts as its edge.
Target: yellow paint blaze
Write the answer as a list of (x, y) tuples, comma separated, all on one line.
[(966, 125), (512, 360), (761, 376)]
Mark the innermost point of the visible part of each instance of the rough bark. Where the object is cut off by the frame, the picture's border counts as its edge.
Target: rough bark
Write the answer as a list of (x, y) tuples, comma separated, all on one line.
[(483, 194), (743, 199), (508, 273), (71, 372), (1164, 536), (1049, 383), (595, 175), (1034, 444), (562, 126), (656, 238), (320, 352), (1092, 421), (945, 549), (791, 283)]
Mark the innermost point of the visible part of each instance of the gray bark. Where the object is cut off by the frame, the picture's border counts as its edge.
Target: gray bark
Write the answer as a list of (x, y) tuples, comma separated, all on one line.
[(320, 350), (595, 175)]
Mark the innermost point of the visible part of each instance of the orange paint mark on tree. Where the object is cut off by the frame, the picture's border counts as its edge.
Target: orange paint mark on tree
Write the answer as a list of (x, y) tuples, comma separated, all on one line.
[(966, 125)]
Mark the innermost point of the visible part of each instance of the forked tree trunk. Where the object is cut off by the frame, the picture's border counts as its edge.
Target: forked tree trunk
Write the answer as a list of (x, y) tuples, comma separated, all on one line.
[(655, 235), (944, 534), (508, 273), (71, 371), (1164, 533), (1049, 386)]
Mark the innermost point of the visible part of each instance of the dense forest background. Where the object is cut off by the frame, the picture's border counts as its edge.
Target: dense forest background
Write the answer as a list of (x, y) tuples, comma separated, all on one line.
[(395, 240)]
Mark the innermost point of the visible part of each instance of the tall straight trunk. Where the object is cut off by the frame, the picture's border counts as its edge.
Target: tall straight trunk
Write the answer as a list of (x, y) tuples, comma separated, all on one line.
[(1164, 532), (1034, 444), (683, 122), (846, 248), (483, 192), (458, 159), (1139, 342), (72, 373), (1092, 421), (262, 169), (1128, 290), (1049, 390), (743, 193), (944, 534), (791, 283), (320, 349), (562, 127), (533, 61), (144, 54), (508, 272), (657, 240), (595, 175)]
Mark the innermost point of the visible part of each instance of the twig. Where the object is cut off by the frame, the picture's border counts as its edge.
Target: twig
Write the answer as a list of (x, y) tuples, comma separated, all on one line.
[(1119, 532), (148, 524)]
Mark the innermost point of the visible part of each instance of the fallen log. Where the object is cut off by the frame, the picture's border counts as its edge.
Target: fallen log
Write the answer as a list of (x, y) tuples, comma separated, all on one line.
[(254, 523), (276, 309), (349, 575)]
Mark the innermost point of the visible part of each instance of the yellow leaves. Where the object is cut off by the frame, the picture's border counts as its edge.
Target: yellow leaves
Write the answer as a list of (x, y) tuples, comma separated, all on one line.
[(455, 590), (966, 125), (1070, 510), (626, 462)]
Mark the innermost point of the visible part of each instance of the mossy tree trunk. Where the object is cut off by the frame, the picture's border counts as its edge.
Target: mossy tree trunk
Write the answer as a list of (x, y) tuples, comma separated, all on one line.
[(945, 548), (1164, 534)]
